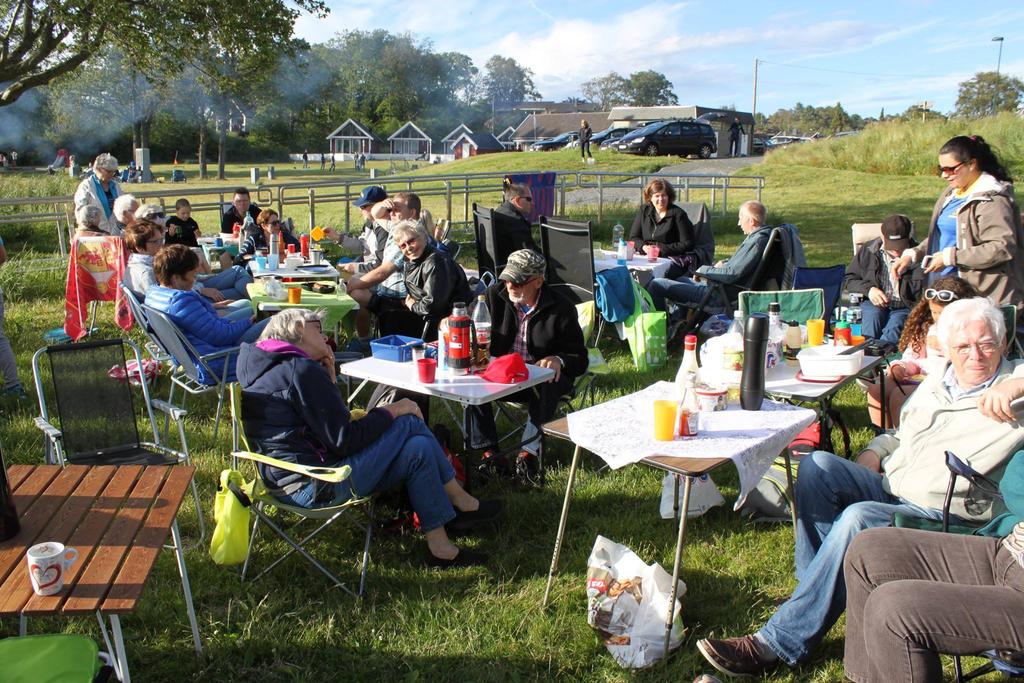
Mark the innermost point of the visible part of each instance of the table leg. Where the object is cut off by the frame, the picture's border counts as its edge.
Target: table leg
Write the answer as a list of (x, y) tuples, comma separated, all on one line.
[(120, 654), (179, 554), (676, 562), (561, 525), (675, 497), (788, 462), (881, 394)]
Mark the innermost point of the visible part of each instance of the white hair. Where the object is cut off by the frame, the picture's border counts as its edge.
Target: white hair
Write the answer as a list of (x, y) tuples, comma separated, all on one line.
[(148, 210), (957, 315), (88, 216), (288, 325), (106, 161), (756, 210), (123, 205), (407, 228)]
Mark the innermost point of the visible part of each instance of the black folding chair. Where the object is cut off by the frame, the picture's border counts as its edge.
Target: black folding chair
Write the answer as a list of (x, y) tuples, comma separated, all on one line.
[(486, 242), (569, 249), (95, 412), (829, 280)]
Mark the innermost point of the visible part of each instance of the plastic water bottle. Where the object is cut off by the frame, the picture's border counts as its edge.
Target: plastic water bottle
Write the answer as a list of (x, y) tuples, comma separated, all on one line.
[(482, 333), (776, 336), (622, 253), (855, 314), (617, 234), (248, 227)]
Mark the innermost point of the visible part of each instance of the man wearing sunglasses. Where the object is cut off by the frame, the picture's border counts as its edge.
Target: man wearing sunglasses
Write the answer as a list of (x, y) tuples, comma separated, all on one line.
[(966, 408), (512, 226), (887, 299)]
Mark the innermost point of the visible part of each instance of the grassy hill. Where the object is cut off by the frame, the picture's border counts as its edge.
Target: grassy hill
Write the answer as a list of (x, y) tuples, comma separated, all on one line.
[(906, 147)]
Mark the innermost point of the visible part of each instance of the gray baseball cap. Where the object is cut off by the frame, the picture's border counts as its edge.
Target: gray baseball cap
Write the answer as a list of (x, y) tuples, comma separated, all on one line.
[(522, 266)]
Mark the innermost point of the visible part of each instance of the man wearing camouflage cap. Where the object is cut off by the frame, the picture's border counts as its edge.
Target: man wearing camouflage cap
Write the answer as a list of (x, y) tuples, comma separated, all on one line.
[(538, 323)]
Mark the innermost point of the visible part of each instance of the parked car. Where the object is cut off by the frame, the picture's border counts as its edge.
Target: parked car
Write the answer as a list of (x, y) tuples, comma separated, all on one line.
[(607, 136), (557, 142), (671, 137), (760, 143)]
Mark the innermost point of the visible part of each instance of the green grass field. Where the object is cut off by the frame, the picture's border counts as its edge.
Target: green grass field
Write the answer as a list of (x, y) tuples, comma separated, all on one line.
[(483, 624)]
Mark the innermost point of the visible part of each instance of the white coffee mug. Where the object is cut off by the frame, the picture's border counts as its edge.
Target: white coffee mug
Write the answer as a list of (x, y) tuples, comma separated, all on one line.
[(47, 563)]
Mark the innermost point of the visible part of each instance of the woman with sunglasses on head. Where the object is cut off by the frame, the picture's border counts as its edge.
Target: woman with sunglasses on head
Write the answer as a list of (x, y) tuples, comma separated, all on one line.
[(975, 229), (922, 353), (271, 228)]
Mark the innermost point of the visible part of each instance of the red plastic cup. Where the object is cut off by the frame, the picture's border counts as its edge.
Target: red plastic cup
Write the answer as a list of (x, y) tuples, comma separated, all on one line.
[(653, 251), (426, 368), (291, 248)]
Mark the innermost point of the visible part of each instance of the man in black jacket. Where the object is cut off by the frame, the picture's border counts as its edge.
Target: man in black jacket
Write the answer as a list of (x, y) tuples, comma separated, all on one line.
[(512, 227), (530, 319), (887, 302)]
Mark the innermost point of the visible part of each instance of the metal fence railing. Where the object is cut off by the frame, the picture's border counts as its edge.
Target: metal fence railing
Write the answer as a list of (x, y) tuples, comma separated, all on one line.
[(459, 192)]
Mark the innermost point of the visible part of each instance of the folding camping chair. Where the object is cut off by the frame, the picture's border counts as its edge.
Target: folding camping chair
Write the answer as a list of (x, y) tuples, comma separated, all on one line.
[(862, 233), (767, 275), (95, 410), (191, 371), (704, 236), (1003, 661), (486, 243), (830, 280), (153, 346), (262, 499)]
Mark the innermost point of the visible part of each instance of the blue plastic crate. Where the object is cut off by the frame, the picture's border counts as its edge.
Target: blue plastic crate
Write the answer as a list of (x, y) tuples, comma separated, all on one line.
[(394, 347)]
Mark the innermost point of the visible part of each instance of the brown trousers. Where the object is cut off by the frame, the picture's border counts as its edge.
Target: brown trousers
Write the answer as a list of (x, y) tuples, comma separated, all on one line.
[(914, 594)]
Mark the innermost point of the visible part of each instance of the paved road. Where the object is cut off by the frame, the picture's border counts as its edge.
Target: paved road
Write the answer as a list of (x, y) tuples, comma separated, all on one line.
[(588, 196)]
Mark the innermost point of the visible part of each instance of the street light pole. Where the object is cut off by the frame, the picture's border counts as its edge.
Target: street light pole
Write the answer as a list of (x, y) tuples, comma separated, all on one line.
[(999, 61)]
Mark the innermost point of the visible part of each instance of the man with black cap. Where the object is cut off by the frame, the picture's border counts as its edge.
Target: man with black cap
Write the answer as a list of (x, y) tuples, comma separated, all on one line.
[(531, 319), (887, 301)]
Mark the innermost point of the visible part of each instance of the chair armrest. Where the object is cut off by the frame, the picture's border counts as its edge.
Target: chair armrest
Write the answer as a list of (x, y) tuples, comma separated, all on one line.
[(220, 354), (175, 412), (332, 475), (48, 429)]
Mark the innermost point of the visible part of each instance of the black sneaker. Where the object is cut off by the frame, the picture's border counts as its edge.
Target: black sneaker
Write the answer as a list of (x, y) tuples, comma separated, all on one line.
[(465, 558), (465, 522)]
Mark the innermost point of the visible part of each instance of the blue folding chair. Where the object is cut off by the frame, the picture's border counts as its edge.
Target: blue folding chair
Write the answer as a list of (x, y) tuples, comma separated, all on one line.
[(828, 279)]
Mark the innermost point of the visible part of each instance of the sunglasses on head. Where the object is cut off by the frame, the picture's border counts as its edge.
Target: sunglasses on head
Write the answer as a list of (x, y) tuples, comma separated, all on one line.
[(943, 295)]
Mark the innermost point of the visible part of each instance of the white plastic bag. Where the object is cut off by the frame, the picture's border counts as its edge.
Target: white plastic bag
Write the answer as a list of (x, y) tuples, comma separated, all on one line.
[(275, 290), (704, 495), (627, 602)]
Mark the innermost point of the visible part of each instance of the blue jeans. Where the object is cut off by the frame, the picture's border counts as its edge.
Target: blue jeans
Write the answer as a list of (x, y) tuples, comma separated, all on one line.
[(237, 310), (681, 291), (406, 453), (883, 323), (835, 500), (230, 282)]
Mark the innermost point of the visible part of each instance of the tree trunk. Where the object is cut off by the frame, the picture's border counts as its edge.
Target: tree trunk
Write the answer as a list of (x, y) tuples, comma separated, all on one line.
[(222, 137), (202, 148)]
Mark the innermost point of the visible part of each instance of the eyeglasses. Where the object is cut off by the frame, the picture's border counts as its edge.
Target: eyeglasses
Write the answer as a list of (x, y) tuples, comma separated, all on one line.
[(943, 295), (527, 199), (274, 223), (949, 170), (409, 242), (985, 348)]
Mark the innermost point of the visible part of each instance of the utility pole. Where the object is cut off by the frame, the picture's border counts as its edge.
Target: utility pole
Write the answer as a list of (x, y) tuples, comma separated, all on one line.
[(753, 106), (999, 61)]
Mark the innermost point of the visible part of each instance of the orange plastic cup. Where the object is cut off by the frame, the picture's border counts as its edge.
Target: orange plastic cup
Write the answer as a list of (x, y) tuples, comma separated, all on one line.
[(816, 332), (664, 420), (294, 295), (857, 339)]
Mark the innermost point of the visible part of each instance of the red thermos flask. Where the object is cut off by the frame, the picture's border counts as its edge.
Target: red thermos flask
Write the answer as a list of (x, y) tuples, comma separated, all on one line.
[(460, 340)]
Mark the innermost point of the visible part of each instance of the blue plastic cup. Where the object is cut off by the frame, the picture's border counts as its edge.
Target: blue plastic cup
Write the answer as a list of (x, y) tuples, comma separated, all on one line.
[(261, 262), (218, 242)]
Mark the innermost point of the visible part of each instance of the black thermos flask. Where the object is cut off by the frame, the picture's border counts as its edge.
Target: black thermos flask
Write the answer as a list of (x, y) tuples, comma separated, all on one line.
[(755, 344)]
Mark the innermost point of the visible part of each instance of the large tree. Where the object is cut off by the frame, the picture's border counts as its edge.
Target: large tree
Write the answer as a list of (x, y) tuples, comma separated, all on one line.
[(650, 89), (607, 91), (989, 93), (506, 83)]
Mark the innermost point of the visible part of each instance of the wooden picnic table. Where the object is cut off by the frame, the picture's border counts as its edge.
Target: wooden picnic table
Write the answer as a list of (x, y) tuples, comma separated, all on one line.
[(118, 518)]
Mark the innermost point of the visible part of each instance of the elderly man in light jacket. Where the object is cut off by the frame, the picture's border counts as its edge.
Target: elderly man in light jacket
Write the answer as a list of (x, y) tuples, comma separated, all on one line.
[(965, 409)]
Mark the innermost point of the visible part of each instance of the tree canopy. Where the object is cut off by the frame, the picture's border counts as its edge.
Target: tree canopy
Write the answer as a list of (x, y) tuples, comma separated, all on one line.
[(989, 93), (642, 89)]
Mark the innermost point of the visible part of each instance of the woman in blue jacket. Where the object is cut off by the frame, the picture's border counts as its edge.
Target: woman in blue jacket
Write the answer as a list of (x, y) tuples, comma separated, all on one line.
[(292, 410), (175, 268)]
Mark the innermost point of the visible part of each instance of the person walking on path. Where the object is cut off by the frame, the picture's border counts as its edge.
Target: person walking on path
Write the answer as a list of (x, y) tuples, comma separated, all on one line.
[(585, 134), (735, 131)]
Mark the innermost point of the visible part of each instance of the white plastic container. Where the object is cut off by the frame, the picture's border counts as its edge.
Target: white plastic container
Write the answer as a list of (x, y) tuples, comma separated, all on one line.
[(825, 362)]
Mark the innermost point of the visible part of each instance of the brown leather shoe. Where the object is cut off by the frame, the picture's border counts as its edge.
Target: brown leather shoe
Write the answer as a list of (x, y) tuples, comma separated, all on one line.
[(735, 656)]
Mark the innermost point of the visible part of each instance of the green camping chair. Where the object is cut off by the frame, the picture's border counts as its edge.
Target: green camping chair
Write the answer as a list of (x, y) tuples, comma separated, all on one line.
[(59, 657), (261, 499), (796, 304)]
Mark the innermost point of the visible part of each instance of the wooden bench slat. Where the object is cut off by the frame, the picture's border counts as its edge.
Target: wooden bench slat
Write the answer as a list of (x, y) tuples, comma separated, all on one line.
[(17, 473), (75, 527), (47, 500), (94, 581), (131, 579)]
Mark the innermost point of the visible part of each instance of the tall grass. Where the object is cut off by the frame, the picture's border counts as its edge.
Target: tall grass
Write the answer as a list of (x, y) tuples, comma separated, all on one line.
[(906, 147)]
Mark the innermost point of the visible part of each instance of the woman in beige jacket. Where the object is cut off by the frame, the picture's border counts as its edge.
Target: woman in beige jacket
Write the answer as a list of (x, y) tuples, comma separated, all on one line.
[(975, 229)]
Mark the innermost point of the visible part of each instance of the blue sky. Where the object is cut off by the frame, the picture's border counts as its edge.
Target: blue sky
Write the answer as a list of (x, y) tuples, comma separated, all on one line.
[(867, 55)]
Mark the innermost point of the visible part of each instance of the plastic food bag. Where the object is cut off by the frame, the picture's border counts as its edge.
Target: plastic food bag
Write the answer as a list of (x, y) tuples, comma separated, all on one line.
[(275, 290), (627, 602), (704, 495)]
